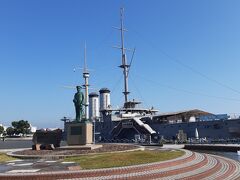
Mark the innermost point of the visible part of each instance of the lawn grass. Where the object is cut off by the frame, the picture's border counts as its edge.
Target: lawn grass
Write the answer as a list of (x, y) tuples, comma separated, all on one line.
[(123, 159), (4, 158)]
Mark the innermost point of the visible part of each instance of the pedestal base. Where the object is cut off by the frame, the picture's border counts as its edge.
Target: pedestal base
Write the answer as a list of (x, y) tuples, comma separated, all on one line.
[(79, 133)]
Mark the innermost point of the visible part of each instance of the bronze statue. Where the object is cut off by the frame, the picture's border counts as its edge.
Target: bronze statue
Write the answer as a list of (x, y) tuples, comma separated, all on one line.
[(78, 102)]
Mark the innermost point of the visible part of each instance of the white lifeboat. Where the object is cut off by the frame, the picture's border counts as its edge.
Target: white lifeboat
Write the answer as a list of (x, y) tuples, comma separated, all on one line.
[(196, 134), (238, 153)]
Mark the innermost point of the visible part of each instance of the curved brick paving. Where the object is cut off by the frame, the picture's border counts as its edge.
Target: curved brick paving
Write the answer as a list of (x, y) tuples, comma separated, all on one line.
[(191, 166)]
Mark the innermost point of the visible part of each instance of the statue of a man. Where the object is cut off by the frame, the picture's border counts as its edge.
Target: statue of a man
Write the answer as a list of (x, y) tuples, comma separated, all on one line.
[(78, 102)]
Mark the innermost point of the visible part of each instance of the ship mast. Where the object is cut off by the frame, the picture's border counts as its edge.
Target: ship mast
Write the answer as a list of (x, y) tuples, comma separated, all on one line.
[(124, 65), (86, 85)]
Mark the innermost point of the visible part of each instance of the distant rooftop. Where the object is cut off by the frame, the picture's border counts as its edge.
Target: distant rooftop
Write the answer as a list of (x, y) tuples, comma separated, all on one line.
[(191, 111)]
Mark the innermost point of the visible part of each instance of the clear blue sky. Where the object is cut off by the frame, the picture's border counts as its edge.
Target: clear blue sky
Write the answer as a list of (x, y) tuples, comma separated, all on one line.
[(187, 55)]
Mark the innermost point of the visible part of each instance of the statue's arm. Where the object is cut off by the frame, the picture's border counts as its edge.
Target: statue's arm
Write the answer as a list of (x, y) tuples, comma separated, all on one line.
[(75, 100)]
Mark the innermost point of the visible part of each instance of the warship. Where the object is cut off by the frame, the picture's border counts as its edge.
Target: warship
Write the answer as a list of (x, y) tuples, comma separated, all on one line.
[(131, 123)]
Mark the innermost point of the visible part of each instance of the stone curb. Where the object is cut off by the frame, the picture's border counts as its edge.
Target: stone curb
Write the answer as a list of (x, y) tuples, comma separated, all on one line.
[(12, 150), (141, 148)]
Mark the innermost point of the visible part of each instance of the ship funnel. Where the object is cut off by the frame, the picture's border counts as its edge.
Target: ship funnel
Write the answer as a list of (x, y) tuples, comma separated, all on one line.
[(93, 106), (104, 98)]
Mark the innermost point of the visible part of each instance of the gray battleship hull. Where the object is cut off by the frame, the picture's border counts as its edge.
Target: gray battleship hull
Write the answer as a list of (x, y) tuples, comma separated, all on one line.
[(212, 130), (216, 129)]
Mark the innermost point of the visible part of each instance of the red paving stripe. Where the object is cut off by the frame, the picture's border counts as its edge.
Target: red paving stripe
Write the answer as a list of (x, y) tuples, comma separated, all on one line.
[(172, 172), (206, 173), (230, 171)]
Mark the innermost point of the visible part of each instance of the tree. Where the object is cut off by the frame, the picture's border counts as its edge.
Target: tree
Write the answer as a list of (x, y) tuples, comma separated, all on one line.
[(21, 127), (10, 131), (1, 130)]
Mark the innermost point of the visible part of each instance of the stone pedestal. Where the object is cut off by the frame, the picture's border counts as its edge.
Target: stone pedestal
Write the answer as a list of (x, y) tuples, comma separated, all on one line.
[(79, 133)]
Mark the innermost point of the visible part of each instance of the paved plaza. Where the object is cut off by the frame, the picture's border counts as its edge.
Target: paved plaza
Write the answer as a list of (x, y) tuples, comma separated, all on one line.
[(192, 165)]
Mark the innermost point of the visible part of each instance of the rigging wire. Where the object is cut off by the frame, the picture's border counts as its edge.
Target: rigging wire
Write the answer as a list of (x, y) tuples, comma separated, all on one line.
[(187, 91), (139, 92), (187, 66), (117, 84), (131, 61), (99, 44)]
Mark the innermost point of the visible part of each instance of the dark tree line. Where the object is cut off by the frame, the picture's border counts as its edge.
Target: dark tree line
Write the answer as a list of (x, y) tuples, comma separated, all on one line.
[(1, 130), (18, 127)]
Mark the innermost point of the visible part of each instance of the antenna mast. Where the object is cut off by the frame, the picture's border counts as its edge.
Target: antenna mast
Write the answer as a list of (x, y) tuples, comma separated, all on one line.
[(124, 65)]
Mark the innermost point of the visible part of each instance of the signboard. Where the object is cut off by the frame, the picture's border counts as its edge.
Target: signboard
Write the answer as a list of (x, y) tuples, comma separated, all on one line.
[(76, 130)]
